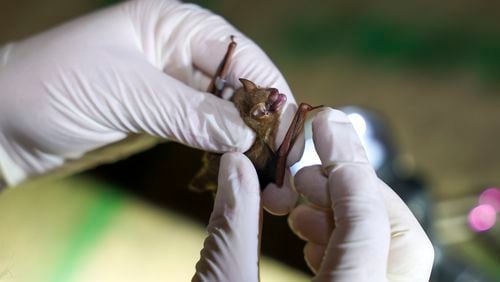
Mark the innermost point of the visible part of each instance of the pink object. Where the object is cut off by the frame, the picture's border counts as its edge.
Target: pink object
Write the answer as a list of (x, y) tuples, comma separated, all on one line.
[(482, 217), (278, 103), (273, 96), (491, 196)]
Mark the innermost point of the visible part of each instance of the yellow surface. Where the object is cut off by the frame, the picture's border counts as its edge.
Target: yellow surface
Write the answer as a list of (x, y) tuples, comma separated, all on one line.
[(80, 230)]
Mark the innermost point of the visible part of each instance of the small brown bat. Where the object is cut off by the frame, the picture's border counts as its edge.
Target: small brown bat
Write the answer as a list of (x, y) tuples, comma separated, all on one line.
[(260, 108)]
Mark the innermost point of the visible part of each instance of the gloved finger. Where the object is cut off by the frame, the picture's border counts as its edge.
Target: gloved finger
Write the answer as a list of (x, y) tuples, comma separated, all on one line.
[(336, 141), (231, 250), (313, 254), (311, 224), (145, 100), (200, 80), (280, 200), (411, 252), (312, 184), (189, 37), (359, 245)]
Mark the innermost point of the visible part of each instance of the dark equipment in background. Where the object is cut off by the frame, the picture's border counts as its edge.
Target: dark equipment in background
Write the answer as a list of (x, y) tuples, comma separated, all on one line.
[(411, 186)]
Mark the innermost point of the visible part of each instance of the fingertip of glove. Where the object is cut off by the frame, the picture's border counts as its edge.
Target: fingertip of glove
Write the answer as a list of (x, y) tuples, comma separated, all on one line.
[(239, 171), (227, 130), (336, 140), (280, 201), (235, 159), (331, 115), (247, 140), (313, 255)]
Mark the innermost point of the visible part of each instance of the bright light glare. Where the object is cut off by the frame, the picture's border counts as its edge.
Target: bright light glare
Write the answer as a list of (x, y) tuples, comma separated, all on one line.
[(374, 149), (310, 157), (359, 123), (482, 218)]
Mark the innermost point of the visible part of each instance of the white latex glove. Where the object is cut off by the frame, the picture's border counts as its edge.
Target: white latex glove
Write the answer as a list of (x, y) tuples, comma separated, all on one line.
[(356, 227), (231, 250), (138, 68)]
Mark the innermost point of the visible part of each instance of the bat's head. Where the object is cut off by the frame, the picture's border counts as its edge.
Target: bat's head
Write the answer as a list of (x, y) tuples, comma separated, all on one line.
[(259, 107)]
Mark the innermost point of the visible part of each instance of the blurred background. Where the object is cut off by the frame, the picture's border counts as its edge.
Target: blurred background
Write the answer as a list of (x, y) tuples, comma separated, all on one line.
[(419, 79)]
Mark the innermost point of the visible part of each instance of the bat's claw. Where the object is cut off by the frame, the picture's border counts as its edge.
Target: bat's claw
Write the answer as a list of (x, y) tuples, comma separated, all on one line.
[(307, 108)]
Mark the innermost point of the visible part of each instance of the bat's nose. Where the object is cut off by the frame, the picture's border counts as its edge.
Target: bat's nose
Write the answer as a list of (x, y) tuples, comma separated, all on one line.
[(273, 96)]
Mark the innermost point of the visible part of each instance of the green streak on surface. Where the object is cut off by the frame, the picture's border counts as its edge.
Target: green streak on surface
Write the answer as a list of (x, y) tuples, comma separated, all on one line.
[(88, 233)]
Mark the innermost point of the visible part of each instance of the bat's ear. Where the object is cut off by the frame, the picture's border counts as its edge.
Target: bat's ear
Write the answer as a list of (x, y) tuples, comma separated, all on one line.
[(248, 85)]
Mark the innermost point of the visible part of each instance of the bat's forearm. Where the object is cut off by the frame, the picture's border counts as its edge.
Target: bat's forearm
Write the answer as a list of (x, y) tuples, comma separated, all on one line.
[(294, 130), (217, 84)]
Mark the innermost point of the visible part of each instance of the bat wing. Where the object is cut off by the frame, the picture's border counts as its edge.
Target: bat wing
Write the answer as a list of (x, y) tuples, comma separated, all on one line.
[(267, 174)]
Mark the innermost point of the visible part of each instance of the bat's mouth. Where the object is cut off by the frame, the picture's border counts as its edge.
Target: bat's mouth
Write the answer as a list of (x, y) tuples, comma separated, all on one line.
[(275, 101)]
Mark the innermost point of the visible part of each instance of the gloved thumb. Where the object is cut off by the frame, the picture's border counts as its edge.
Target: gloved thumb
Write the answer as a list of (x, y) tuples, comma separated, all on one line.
[(359, 245), (231, 250)]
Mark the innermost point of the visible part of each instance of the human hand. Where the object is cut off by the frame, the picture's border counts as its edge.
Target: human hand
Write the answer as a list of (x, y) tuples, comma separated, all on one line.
[(231, 250), (356, 227), (135, 69)]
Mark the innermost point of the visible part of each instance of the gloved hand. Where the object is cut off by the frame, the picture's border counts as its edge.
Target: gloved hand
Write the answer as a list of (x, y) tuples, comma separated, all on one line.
[(138, 68), (231, 250), (356, 227)]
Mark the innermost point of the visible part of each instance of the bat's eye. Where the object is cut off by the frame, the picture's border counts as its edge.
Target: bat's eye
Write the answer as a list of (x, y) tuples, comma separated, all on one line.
[(259, 111)]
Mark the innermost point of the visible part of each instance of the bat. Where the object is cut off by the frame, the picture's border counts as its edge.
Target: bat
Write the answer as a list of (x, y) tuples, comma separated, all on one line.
[(260, 108)]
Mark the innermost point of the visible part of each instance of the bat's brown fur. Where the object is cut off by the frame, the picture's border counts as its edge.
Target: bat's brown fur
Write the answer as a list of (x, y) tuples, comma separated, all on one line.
[(260, 108), (252, 103)]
